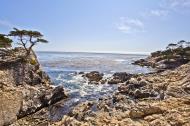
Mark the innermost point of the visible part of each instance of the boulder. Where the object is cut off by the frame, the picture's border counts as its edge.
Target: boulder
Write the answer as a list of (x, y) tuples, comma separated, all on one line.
[(142, 94), (57, 94), (94, 76), (123, 76), (35, 101), (81, 72), (119, 77)]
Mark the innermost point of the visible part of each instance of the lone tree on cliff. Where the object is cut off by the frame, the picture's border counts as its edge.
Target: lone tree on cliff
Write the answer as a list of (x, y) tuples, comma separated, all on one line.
[(5, 42), (27, 38)]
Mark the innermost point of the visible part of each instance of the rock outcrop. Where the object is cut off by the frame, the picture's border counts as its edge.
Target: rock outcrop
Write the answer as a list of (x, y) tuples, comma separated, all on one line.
[(119, 77), (167, 59), (24, 87), (94, 76)]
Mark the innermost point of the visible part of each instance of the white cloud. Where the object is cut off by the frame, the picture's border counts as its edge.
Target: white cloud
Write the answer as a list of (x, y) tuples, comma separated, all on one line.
[(155, 13), (176, 4), (168, 7), (130, 26), (159, 12)]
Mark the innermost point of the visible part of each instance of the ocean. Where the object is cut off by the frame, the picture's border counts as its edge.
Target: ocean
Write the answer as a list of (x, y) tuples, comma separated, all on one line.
[(63, 69)]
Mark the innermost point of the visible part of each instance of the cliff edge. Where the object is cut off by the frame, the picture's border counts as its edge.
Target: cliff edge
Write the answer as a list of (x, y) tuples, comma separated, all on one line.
[(24, 87)]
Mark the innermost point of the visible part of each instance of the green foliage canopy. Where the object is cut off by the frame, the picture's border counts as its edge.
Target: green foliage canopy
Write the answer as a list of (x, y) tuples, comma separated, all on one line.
[(27, 38)]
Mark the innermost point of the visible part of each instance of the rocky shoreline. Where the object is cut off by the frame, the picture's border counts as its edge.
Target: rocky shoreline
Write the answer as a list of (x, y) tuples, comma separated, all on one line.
[(155, 99), (170, 58), (161, 98)]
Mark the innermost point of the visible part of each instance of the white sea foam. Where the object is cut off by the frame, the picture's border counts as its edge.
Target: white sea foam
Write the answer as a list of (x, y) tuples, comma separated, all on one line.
[(120, 60)]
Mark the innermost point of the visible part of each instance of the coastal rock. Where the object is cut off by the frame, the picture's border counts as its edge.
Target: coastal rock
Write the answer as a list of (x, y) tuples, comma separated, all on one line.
[(10, 104), (119, 77), (142, 94), (94, 76), (56, 95), (166, 59), (144, 62), (114, 81), (123, 76), (137, 88), (144, 110), (81, 110), (25, 88)]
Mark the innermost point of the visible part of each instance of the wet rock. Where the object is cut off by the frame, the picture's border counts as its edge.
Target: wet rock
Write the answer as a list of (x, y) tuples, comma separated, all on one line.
[(119, 77), (94, 76), (123, 76), (144, 62), (57, 94), (114, 81), (81, 73), (103, 81)]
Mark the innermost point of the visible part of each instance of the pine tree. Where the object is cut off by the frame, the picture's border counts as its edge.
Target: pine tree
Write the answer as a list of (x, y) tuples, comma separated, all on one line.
[(27, 38)]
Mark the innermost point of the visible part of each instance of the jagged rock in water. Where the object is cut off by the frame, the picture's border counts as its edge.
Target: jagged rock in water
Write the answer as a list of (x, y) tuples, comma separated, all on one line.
[(94, 76), (119, 77)]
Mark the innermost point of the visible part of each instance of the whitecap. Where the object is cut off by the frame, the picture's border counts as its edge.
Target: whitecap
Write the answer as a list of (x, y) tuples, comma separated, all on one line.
[(120, 60)]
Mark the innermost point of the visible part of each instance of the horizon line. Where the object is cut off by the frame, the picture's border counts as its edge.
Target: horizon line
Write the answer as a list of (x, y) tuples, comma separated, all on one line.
[(100, 52)]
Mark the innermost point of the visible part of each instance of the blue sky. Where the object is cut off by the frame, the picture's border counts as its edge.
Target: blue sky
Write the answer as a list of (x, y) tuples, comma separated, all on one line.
[(100, 25)]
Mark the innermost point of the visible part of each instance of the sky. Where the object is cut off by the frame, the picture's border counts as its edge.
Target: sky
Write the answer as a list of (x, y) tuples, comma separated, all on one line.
[(119, 26)]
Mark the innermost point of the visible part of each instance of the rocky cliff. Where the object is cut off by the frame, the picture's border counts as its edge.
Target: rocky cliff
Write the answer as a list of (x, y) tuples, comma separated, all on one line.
[(24, 87), (166, 59)]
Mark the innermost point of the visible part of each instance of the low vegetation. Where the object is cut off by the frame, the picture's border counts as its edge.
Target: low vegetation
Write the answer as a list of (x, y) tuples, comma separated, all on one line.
[(181, 50)]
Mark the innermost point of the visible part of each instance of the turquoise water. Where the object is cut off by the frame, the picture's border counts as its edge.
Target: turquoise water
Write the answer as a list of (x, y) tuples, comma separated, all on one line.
[(63, 69)]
